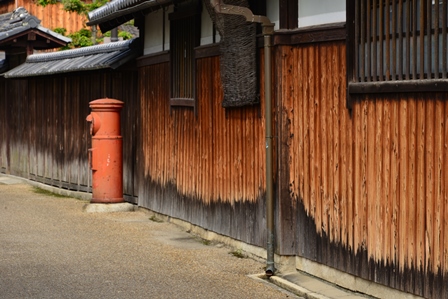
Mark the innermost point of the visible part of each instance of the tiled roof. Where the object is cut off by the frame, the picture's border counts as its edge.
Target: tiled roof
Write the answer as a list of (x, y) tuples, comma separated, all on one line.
[(111, 55), (118, 12), (19, 21), (131, 29)]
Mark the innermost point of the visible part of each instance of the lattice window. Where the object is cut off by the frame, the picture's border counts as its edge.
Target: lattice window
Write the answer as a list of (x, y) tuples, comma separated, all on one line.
[(185, 36), (396, 40)]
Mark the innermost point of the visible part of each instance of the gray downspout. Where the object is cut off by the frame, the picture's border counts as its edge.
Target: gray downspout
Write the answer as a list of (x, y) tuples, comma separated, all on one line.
[(268, 31), (270, 268), (114, 35)]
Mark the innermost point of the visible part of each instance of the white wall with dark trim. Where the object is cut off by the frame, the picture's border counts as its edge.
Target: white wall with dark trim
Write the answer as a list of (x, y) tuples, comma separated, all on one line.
[(153, 40), (318, 12), (154, 32), (311, 12)]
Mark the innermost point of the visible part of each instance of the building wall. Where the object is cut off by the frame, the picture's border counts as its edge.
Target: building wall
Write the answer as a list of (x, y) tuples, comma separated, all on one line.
[(44, 134), (321, 12), (310, 12), (207, 168), (157, 39), (361, 190), (3, 132), (367, 189), (364, 191)]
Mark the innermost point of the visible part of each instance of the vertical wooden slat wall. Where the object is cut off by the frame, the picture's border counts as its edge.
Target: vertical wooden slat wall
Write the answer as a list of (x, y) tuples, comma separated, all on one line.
[(3, 126), (17, 123), (364, 191), (371, 185), (194, 152), (44, 134), (207, 169)]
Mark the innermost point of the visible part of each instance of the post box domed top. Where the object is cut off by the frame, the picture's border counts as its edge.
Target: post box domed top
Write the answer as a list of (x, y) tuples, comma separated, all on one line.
[(106, 104)]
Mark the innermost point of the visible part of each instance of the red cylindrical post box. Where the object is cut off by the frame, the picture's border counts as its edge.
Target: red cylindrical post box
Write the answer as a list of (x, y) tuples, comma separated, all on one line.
[(106, 154)]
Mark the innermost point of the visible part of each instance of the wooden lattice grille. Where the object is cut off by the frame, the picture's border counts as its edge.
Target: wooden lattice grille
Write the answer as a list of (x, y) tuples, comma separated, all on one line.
[(400, 40)]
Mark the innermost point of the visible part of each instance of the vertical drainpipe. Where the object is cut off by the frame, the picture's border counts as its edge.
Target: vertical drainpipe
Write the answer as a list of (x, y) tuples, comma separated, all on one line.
[(268, 31)]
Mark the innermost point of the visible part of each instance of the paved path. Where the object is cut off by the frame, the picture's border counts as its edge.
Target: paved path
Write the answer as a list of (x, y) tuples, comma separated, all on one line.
[(50, 248)]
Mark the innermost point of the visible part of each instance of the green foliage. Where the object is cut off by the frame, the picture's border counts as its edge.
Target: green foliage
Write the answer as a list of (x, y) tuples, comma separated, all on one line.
[(81, 38), (125, 35), (238, 253), (41, 191), (77, 6), (206, 242), (46, 2), (155, 219), (95, 4), (60, 30)]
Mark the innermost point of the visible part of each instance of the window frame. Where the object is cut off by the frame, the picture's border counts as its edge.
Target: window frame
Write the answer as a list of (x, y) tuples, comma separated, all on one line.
[(192, 12)]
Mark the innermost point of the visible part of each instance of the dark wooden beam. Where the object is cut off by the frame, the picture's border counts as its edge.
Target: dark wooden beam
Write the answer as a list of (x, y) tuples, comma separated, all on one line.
[(435, 85), (289, 14), (312, 34), (31, 36), (152, 59), (206, 51), (258, 7), (350, 47), (29, 49), (182, 102)]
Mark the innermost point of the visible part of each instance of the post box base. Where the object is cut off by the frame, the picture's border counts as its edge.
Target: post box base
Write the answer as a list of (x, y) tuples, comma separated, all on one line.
[(106, 199), (109, 207)]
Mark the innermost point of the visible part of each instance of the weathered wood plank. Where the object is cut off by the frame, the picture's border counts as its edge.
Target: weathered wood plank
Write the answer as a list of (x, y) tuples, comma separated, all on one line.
[(421, 196), (378, 181), (429, 194), (438, 196), (403, 236), (386, 187), (412, 187)]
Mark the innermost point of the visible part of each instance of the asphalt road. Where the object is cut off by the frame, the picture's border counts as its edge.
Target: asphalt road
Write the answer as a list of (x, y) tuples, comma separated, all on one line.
[(50, 248)]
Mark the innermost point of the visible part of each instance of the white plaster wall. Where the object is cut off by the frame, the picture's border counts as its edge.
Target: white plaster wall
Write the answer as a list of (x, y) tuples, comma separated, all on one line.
[(317, 12), (207, 29), (154, 32), (311, 12), (272, 12)]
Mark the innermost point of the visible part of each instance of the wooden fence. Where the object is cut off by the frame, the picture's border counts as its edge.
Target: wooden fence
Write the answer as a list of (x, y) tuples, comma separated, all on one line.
[(364, 191), (207, 169), (369, 188), (45, 136)]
